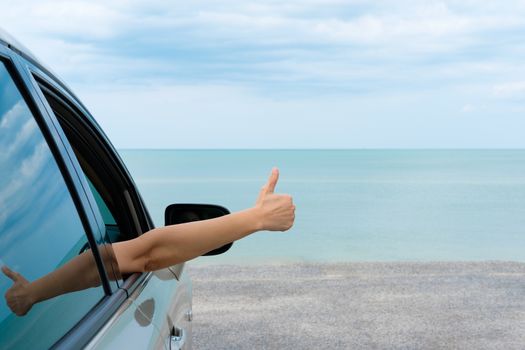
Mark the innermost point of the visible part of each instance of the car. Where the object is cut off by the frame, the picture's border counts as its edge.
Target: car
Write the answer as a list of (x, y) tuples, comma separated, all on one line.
[(65, 198)]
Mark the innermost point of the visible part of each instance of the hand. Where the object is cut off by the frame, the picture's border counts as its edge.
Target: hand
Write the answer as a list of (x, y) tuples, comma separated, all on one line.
[(18, 297), (277, 210)]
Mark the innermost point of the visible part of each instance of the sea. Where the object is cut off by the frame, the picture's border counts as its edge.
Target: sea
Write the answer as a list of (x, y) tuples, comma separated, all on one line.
[(353, 205)]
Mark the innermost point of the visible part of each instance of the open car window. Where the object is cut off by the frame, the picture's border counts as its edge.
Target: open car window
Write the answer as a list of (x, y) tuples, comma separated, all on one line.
[(105, 181)]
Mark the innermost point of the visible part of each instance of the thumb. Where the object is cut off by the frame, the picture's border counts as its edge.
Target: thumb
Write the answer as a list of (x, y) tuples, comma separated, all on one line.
[(9, 273), (272, 181)]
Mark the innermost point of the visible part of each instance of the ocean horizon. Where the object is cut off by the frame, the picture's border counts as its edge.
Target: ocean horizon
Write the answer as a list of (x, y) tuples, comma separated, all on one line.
[(353, 204)]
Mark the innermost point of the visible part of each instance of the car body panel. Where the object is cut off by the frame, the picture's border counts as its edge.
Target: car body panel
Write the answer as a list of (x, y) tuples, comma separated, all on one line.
[(144, 321), (124, 331)]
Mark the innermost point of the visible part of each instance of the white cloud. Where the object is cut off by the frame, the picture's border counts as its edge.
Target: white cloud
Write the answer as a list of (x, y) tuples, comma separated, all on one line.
[(435, 26), (326, 41), (510, 90), (460, 50), (468, 108), (70, 18)]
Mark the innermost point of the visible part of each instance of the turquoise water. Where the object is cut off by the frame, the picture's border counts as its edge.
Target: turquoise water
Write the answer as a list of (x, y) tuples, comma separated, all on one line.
[(354, 205)]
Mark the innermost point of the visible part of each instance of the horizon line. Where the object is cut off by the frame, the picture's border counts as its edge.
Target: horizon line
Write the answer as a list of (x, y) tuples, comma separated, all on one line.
[(322, 149)]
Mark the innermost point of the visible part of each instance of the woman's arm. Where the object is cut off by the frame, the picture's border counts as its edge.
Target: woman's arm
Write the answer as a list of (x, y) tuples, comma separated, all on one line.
[(156, 249), (170, 245)]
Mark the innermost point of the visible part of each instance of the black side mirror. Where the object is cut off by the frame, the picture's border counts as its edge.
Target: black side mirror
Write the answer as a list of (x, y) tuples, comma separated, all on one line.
[(181, 213)]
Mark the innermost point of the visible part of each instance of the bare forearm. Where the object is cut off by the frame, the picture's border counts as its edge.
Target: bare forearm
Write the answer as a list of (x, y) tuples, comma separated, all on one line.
[(156, 249), (170, 245), (177, 243)]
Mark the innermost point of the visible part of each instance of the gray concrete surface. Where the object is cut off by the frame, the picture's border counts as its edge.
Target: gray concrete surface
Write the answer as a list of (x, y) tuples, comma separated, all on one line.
[(360, 306)]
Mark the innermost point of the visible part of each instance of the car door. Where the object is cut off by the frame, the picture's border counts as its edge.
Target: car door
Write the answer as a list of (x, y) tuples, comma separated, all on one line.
[(158, 307)]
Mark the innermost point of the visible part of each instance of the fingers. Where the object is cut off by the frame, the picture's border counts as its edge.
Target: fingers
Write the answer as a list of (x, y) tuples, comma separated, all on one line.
[(9, 273), (272, 181)]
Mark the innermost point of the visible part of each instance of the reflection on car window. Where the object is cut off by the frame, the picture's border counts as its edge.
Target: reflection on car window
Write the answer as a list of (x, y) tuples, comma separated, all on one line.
[(40, 229)]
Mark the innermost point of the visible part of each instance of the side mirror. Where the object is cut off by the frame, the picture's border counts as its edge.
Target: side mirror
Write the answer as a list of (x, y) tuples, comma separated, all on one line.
[(181, 213)]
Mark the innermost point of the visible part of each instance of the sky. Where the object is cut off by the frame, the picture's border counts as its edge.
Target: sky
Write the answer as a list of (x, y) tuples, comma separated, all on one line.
[(288, 74)]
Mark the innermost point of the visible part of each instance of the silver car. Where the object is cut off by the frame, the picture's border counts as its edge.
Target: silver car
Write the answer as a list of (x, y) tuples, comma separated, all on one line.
[(65, 197)]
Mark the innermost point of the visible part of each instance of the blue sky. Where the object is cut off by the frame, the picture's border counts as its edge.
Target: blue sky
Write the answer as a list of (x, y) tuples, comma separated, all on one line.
[(288, 74)]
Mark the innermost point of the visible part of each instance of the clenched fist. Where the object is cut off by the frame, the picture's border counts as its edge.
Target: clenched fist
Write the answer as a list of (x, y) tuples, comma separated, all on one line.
[(277, 210)]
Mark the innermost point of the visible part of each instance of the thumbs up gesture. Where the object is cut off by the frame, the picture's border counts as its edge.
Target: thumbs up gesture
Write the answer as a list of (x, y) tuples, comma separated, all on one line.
[(18, 296), (277, 210)]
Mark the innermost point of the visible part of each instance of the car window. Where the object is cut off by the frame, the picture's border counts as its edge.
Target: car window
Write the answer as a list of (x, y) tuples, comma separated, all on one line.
[(40, 232), (104, 180)]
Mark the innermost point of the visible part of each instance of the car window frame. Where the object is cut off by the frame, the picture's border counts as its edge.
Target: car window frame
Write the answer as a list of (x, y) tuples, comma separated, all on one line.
[(34, 71), (86, 328), (104, 168), (144, 221)]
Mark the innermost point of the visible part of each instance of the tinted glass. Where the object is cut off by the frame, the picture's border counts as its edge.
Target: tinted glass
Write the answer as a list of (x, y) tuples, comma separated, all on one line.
[(41, 234)]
